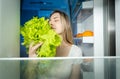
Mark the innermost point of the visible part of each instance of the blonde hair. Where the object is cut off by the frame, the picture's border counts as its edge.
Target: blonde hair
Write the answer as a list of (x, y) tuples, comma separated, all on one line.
[(67, 34)]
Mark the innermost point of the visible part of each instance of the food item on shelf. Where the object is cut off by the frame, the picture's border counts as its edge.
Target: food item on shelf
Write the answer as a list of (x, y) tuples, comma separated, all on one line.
[(87, 33), (84, 34), (78, 35)]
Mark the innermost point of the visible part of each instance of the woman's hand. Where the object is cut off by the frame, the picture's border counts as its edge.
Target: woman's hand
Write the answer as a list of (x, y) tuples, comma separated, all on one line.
[(32, 49)]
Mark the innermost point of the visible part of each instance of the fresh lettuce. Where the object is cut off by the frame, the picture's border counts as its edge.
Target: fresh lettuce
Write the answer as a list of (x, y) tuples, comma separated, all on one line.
[(38, 30)]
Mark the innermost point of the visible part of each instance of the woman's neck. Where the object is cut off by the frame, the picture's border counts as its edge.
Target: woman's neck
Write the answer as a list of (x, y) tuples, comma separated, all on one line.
[(64, 43), (63, 49)]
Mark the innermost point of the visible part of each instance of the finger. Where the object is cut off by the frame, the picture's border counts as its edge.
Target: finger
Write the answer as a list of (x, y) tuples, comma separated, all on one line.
[(31, 45), (37, 45)]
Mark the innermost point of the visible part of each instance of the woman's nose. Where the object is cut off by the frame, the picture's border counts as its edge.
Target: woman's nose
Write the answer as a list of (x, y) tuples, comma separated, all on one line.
[(51, 23)]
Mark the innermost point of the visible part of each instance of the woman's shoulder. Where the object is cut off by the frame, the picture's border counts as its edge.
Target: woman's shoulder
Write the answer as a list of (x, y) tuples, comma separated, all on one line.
[(75, 47), (75, 51)]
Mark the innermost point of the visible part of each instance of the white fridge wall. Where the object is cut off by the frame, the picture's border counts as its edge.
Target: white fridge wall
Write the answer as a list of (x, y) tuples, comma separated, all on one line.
[(9, 38), (85, 25), (117, 16), (9, 28)]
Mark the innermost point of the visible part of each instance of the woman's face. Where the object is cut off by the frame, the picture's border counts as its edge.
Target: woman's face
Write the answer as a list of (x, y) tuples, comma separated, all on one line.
[(55, 23)]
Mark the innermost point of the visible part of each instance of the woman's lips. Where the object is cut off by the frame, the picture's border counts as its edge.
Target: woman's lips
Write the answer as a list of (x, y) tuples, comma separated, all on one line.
[(53, 28)]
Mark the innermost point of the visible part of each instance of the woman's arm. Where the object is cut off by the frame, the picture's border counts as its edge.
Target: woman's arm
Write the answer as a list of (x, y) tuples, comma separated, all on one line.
[(75, 74), (32, 65), (32, 49), (30, 70)]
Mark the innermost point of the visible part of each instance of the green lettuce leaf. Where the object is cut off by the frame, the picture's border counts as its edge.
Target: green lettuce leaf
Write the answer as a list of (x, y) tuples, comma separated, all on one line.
[(38, 30)]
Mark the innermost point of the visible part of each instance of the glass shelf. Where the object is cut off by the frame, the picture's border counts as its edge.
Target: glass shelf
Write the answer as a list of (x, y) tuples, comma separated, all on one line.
[(82, 7), (84, 14), (59, 67)]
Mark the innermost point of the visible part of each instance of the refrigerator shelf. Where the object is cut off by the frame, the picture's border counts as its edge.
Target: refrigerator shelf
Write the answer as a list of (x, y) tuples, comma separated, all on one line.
[(89, 39), (84, 6)]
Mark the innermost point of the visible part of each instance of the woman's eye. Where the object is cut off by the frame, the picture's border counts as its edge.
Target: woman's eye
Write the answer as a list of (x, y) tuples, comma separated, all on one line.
[(56, 20)]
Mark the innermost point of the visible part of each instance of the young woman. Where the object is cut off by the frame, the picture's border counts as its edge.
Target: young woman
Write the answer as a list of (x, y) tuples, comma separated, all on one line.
[(60, 23)]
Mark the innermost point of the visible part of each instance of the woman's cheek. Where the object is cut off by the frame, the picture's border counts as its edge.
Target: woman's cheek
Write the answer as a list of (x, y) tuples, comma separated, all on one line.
[(59, 31)]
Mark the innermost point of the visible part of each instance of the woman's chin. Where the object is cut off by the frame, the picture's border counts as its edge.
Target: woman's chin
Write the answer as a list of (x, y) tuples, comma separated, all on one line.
[(55, 30)]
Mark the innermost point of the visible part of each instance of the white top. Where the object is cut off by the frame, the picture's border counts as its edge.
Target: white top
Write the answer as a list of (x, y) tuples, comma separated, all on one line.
[(75, 51), (62, 69)]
